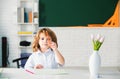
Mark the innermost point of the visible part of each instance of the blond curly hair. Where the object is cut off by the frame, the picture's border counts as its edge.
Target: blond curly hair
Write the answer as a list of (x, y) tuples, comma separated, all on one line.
[(46, 31)]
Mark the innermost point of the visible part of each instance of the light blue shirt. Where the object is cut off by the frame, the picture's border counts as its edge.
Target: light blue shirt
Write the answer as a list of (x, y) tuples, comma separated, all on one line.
[(46, 59)]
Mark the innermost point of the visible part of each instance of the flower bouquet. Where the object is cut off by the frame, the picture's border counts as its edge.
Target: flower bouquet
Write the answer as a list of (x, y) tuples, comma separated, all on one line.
[(97, 41)]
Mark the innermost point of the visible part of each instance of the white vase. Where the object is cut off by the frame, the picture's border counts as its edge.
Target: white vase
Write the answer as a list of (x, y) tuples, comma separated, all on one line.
[(94, 64)]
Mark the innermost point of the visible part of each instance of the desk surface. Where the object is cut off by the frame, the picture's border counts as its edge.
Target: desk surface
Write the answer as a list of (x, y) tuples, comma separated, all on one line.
[(67, 73)]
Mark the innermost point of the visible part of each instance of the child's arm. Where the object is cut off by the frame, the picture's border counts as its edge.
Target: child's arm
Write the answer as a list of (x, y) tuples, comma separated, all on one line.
[(59, 56), (29, 63)]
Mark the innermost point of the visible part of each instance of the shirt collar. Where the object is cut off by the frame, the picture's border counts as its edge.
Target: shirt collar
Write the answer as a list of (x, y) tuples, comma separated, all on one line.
[(46, 52)]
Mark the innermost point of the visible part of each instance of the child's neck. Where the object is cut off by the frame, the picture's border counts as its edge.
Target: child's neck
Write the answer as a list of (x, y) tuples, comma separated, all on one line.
[(44, 50)]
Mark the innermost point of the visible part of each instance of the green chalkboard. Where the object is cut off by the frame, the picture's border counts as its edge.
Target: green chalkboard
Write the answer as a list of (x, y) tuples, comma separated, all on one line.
[(75, 12)]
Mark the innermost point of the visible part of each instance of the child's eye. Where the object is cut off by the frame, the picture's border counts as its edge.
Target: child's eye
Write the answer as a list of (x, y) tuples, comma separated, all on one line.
[(48, 39), (42, 38)]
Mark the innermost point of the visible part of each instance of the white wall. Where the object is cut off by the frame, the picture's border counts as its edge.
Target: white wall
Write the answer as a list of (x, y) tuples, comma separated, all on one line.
[(8, 26), (74, 43)]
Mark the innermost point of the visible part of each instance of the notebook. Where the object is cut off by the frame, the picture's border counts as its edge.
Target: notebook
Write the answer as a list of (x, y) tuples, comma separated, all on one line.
[(50, 72)]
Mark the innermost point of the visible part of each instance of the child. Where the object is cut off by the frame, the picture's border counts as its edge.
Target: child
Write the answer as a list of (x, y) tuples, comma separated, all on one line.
[(45, 53)]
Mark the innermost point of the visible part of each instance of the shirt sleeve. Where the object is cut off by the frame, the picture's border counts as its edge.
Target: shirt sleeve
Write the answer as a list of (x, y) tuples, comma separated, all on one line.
[(30, 63), (56, 59)]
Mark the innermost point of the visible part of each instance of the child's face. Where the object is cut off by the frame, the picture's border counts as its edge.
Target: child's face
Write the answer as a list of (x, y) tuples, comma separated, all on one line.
[(44, 41)]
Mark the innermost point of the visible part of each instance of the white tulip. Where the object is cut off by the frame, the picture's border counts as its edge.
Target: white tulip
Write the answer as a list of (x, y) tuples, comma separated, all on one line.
[(101, 39), (98, 36)]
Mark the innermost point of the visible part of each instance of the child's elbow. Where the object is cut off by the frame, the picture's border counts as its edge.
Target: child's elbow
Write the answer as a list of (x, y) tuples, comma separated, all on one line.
[(62, 62)]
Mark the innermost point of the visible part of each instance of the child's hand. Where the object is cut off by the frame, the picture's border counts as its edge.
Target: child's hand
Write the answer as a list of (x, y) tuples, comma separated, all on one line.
[(39, 66), (53, 45)]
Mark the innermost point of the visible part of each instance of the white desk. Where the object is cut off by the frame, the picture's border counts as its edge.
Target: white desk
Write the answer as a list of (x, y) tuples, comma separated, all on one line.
[(74, 73)]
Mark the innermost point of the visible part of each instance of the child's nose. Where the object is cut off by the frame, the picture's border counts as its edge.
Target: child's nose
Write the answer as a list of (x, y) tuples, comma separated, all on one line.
[(46, 40)]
